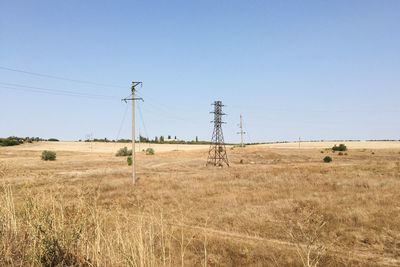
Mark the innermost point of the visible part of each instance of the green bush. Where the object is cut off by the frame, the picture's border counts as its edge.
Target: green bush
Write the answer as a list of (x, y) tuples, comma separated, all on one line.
[(123, 152), (10, 141), (341, 147), (327, 159), (48, 155), (150, 151), (129, 160)]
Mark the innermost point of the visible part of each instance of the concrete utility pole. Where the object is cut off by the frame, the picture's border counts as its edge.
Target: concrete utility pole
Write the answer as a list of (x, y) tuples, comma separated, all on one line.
[(140, 141), (133, 99), (241, 131)]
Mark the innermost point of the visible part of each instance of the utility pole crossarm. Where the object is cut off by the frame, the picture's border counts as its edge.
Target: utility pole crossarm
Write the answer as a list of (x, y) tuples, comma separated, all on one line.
[(130, 99)]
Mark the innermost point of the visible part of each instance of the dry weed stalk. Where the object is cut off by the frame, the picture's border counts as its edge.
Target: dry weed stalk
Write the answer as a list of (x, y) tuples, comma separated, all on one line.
[(83, 234), (305, 233), (51, 232)]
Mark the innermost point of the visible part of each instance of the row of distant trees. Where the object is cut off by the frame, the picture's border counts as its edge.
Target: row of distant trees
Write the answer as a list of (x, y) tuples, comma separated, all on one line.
[(156, 140), (170, 140), (15, 140)]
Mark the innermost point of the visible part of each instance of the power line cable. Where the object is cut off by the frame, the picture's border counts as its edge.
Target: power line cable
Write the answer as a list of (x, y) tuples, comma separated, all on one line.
[(144, 125), (49, 93), (248, 134), (60, 78), (155, 102), (41, 89), (168, 114), (122, 123), (164, 108)]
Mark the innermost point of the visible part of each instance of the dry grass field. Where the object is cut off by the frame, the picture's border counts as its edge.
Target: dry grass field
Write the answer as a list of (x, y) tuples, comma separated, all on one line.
[(275, 206)]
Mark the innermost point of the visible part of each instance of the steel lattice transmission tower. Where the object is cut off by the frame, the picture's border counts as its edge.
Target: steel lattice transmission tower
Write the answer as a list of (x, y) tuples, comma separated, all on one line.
[(217, 153)]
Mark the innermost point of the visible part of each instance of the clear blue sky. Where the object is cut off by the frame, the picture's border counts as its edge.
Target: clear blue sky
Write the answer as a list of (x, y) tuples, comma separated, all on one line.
[(315, 69)]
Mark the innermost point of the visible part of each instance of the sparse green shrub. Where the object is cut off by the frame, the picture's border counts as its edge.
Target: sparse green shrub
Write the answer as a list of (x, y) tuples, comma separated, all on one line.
[(327, 159), (49, 155), (123, 152), (150, 151), (10, 141), (341, 147), (129, 160), (53, 140)]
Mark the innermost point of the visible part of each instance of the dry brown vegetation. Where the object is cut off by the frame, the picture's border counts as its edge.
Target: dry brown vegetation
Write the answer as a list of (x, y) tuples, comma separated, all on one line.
[(279, 207)]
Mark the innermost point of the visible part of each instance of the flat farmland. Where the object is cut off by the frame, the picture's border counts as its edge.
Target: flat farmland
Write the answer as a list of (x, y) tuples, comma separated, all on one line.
[(276, 205)]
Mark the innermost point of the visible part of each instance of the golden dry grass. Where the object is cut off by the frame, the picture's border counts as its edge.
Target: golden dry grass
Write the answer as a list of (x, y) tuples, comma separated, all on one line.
[(102, 147), (350, 145), (281, 207)]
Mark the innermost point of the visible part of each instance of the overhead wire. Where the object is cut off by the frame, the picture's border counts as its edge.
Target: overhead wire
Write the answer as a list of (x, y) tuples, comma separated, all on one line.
[(164, 109), (142, 120), (122, 123), (14, 86), (247, 133), (61, 92), (50, 93), (60, 77), (162, 105), (165, 113)]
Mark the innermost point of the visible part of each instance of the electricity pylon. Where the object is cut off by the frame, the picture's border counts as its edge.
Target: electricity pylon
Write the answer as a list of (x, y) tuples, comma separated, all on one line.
[(241, 131), (217, 155)]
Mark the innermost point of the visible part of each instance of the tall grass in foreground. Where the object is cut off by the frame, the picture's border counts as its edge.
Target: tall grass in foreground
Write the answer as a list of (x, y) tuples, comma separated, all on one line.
[(44, 231)]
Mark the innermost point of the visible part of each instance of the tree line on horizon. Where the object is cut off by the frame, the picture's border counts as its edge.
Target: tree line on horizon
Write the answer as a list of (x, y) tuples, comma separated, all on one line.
[(156, 140), (15, 140)]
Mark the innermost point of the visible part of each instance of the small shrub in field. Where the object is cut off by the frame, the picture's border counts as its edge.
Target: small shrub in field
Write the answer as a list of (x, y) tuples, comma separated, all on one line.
[(129, 160), (345, 154), (150, 151), (48, 155), (123, 152), (341, 147), (322, 152), (327, 159), (340, 154)]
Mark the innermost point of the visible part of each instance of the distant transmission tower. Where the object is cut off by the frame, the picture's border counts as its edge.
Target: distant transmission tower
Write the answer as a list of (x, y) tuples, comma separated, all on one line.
[(217, 153), (241, 131)]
